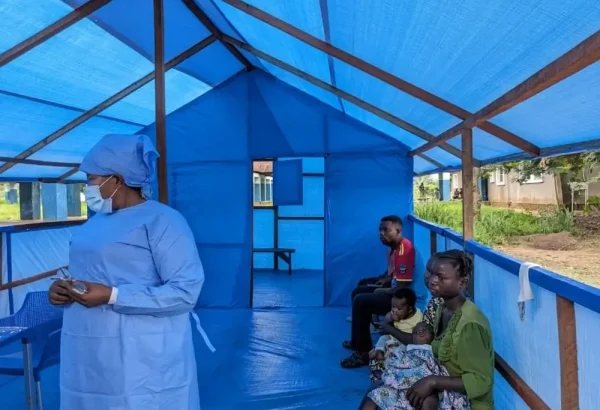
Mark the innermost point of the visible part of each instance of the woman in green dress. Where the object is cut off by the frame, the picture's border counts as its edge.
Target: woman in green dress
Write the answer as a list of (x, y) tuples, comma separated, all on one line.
[(463, 340)]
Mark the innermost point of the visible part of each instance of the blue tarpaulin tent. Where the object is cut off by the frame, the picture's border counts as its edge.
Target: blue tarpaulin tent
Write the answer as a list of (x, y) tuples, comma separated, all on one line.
[(367, 93)]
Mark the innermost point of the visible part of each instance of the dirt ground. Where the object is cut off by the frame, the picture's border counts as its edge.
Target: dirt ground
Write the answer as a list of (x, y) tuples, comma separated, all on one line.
[(577, 257)]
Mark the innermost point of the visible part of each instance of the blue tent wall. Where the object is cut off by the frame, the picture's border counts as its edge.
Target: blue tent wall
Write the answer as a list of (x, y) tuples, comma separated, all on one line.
[(210, 176), (358, 192), (211, 143)]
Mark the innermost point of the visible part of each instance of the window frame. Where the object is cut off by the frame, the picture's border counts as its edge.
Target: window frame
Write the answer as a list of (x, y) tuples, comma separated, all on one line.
[(501, 177)]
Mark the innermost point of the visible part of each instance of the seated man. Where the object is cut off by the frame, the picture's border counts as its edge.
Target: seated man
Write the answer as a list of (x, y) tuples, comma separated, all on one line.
[(401, 249), (371, 300)]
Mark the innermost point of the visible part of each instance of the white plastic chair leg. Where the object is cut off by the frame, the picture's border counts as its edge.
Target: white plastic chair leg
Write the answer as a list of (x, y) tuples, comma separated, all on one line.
[(38, 386)]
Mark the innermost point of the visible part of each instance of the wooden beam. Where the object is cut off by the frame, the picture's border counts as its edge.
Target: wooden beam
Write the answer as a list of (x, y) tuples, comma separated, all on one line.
[(207, 22), (432, 161), (53, 29), (159, 98), (31, 279), (432, 243), (467, 184), (490, 128), (107, 103), (68, 174), (15, 161), (342, 94), (581, 56), (525, 392), (370, 69), (567, 349)]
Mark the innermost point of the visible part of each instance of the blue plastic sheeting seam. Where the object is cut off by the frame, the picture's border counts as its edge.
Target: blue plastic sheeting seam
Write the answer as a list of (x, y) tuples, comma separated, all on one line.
[(9, 273)]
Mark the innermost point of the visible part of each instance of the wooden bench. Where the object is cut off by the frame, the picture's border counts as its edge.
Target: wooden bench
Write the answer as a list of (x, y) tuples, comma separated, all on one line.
[(285, 254)]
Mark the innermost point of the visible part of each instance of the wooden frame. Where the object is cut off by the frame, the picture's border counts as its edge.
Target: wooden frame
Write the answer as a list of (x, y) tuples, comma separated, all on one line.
[(581, 56), (160, 100), (346, 96), (206, 21), (105, 104), (467, 184), (53, 29), (376, 72)]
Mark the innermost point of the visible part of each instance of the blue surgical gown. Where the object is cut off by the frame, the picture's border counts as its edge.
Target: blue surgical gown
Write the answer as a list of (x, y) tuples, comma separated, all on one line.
[(136, 354)]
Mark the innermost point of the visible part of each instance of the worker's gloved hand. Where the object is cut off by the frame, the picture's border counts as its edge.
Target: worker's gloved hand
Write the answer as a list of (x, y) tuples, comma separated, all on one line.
[(59, 293), (97, 294)]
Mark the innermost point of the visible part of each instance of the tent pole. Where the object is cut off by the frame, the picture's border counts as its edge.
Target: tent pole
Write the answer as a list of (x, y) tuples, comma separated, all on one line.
[(467, 183), (159, 93), (380, 74), (104, 105), (344, 95), (53, 29)]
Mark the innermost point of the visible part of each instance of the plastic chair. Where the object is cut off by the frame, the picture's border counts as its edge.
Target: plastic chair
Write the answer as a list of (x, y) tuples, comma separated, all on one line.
[(40, 339)]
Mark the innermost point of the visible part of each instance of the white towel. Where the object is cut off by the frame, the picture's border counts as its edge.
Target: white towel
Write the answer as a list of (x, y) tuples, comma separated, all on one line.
[(202, 332), (525, 293)]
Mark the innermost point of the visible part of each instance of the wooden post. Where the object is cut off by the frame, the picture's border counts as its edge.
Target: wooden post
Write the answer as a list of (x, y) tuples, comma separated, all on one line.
[(159, 83), (467, 183), (567, 349), (433, 242)]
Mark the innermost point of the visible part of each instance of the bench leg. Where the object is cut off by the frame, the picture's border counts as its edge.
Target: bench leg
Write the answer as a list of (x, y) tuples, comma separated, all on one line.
[(290, 264)]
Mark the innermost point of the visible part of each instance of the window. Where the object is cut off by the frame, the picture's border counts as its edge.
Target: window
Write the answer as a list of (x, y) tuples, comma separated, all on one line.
[(269, 189), (534, 179), (256, 195), (492, 177), (501, 177), (455, 181)]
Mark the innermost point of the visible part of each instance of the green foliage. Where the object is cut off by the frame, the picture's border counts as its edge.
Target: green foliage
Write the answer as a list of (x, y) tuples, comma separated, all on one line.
[(496, 225), (430, 183), (12, 212)]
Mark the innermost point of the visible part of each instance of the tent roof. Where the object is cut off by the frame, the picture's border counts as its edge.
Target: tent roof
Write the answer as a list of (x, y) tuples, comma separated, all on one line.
[(416, 71)]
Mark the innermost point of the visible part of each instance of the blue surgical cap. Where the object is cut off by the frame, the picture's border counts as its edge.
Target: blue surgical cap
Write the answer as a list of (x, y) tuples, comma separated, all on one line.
[(132, 157)]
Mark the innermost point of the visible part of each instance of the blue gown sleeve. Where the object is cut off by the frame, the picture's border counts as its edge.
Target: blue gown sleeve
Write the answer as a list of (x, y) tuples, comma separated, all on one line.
[(178, 264)]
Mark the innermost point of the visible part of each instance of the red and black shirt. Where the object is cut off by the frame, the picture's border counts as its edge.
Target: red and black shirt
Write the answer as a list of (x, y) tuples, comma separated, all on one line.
[(401, 261)]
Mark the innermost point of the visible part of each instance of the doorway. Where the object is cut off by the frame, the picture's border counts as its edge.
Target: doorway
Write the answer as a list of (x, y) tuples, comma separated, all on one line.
[(288, 240)]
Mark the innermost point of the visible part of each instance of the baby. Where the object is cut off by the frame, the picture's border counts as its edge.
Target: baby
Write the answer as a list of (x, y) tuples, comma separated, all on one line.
[(403, 368), (404, 315)]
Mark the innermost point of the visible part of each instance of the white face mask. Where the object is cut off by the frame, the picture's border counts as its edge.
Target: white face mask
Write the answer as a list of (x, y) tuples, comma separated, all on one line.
[(94, 200)]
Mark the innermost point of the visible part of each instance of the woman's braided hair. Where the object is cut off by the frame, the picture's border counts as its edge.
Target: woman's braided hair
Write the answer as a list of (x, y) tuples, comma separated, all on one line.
[(461, 260)]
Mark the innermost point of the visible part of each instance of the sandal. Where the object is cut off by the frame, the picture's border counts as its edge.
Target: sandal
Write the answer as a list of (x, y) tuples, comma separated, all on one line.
[(355, 360), (347, 345)]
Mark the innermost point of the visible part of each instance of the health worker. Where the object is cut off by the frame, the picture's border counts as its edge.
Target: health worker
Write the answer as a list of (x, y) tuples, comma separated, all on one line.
[(127, 335)]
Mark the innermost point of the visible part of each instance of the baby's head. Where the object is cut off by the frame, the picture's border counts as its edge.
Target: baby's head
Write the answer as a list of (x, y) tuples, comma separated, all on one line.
[(403, 304), (422, 334)]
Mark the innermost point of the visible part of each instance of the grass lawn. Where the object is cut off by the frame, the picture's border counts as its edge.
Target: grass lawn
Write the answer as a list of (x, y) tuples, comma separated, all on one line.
[(11, 212), (497, 225)]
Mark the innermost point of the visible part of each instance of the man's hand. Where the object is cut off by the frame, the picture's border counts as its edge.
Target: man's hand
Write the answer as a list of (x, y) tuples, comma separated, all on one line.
[(97, 294), (59, 294)]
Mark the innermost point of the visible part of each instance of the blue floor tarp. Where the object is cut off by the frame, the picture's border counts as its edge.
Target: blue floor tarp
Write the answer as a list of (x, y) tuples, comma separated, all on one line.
[(266, 359)]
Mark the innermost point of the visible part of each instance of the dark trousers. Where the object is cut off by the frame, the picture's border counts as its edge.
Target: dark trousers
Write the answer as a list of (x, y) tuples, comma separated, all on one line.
[(362, 286), (364, 306)]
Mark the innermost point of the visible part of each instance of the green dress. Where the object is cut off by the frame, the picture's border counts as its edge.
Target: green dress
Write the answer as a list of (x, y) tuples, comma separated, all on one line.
[(466, 349)]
